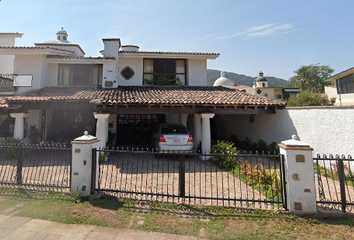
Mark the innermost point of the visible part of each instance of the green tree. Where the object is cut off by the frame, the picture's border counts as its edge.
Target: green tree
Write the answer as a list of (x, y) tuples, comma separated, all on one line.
[(308, 98), (311, 77)]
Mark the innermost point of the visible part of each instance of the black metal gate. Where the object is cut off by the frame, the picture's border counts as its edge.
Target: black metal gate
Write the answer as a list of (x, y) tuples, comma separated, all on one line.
[(178, 177), (35, 167), (334, 176)]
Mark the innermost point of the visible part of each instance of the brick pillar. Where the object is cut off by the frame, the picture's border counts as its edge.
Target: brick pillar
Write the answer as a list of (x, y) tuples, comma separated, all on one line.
[(81, 164), (300, 179)]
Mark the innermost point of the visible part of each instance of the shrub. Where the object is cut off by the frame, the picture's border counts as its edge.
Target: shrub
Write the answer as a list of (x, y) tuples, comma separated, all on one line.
[(308, 98), (228, 161)]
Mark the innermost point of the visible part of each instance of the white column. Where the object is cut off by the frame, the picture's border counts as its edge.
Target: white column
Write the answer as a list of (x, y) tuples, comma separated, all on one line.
[(183, 119), (81, 165), (300, 179), (206, 136), (197, 128), (19, 124), (101, 128)]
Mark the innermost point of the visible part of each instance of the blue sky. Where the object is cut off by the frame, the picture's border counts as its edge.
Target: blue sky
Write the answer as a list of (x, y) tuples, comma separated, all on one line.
[(273, 36)]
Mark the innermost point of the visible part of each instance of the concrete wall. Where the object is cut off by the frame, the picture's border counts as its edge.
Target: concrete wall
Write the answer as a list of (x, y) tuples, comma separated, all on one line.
[(7, 61), (31, 64), (327, 130), (137, 65), (197, 72)]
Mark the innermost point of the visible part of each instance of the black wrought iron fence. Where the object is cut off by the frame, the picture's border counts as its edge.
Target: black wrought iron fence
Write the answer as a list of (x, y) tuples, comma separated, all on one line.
[(190, 178), (6, 82), (35, 167), (334, 176)]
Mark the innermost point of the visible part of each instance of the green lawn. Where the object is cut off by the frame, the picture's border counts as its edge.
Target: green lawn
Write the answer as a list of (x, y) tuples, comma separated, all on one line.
[(202, 222)]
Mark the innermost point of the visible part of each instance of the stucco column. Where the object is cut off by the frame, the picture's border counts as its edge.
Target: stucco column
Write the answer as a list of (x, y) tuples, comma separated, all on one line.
[(101, 128), (299, 176), (197, 128), (183, 119), (81, 165), (19, 124), (206, 136)]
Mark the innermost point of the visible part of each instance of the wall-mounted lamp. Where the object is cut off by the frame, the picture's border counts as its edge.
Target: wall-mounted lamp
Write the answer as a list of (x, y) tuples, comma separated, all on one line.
[(252, 118)]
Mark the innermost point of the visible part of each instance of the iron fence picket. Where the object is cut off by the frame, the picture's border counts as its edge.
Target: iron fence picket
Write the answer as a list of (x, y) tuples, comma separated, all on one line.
[(338, 190), (35, 167), (189, 178)]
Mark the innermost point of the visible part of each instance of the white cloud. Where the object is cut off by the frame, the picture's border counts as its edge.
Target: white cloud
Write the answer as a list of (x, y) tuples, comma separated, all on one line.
[(257, 31)]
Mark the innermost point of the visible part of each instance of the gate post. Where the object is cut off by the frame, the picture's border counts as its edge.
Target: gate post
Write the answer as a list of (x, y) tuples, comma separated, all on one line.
[(299, 176), (81, 164)]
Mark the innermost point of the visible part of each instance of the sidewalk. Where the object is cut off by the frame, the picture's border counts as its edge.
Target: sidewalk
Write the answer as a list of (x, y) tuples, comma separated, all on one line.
[(21, 228)]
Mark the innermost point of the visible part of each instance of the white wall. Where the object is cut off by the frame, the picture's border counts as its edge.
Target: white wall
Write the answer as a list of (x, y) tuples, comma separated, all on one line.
[(137, 65), (327, 130), (197, 72), (7, 61), (31, 64)]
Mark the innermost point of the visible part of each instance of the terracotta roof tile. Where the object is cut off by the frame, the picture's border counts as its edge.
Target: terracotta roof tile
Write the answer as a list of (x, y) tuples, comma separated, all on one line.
[(56, 94), (33, 48), (3, 103), (161, 52), (168, 95), (77, 57), (180, 95)]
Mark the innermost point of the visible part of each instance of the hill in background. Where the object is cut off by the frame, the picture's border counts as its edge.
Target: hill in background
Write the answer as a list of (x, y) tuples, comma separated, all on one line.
[(244, 80)]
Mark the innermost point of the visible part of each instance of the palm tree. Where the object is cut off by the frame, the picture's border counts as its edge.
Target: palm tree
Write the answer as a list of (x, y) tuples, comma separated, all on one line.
[(311, 77)]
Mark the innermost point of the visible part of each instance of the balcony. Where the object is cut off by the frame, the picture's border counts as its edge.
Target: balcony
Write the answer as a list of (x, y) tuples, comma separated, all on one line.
[(7, 83)]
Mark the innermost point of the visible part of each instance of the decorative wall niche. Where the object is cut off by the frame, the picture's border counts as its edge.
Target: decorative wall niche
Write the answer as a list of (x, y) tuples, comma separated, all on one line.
[(127, 73)]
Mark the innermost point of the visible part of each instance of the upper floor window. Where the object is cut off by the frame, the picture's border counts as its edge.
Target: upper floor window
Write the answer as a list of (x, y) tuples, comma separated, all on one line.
[(80, 75), (173, 69), (345, 84)]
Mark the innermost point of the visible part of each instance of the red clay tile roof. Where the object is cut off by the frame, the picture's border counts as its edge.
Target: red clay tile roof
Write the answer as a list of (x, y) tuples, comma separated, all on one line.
[(56, 94), (3, 103), (160, 52), (33, 48), (180, 95), (170, 95), (77, 57)]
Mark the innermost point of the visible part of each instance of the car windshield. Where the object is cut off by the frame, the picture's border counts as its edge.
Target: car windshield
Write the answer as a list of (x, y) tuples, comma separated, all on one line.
[(174, 129)]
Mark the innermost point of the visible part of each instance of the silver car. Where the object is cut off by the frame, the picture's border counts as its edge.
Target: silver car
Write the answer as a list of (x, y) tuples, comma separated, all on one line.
[(172, 137)]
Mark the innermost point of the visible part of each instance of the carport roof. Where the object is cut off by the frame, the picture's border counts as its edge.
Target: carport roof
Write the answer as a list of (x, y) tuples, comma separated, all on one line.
[(179, 95), (163, 99)]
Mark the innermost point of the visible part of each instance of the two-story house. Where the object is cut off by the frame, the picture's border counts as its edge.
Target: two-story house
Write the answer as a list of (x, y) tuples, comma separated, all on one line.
[(58, 93), (341, 88)]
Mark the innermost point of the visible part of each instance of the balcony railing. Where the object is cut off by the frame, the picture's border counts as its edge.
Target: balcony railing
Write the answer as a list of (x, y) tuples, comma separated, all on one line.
[(6, 83)]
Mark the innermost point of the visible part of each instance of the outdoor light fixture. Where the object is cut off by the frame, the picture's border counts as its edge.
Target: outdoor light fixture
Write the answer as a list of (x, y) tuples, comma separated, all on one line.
[(252, 118)]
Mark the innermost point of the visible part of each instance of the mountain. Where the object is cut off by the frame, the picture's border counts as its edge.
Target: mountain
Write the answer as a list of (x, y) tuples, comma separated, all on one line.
[(244, 80)]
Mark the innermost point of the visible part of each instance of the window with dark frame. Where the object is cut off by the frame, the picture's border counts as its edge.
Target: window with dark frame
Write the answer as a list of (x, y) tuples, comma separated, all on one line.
[(80, 75), (345, 84), (169, 68)]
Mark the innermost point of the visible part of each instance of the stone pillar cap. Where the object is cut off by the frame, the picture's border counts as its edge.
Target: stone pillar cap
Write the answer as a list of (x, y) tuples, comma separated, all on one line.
[(294, 142), (85, 139)]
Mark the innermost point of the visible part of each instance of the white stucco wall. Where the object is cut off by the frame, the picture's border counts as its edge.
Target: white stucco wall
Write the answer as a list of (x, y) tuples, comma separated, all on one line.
[(137, 65), (31, 64), (7, 61), (265, 92), (327, 130), (52, 74), (197, 72)]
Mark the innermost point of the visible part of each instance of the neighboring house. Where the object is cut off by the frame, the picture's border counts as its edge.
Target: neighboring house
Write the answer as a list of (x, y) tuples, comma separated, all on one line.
[(62, 93), (342, 88), (261, 88)]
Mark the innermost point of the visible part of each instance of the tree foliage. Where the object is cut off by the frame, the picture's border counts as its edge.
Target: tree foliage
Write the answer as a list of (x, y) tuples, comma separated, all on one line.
[(311, 77), (308, 98)]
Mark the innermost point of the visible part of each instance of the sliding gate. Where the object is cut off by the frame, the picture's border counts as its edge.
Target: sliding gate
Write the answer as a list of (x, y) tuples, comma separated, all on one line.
[(178, 177)]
